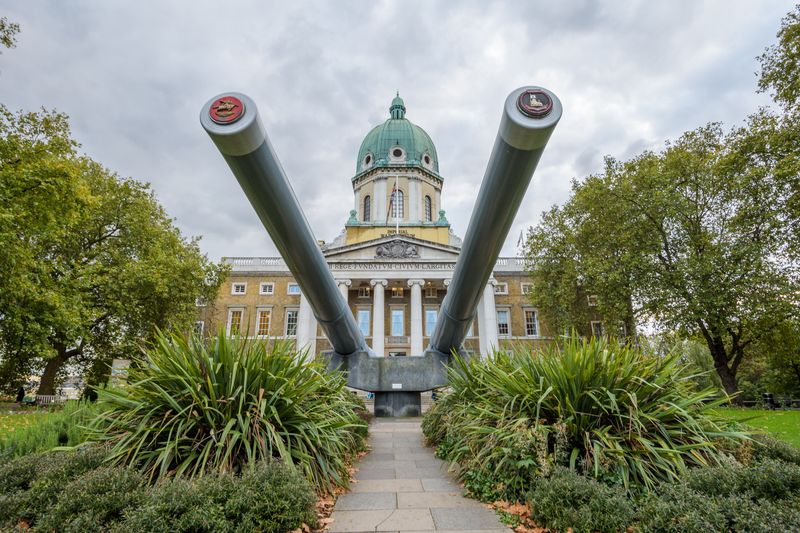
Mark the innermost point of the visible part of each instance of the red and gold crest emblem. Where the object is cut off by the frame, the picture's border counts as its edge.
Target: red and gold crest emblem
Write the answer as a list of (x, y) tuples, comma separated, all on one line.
[(226, 110)]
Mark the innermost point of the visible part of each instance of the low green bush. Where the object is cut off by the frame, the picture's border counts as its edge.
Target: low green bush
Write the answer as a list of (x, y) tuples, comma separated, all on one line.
[(193, 407), (600, 408), (30, 485), (73, 491), (768, 447), (94, 501), (675, 508), (270, 497), (568, 500), (766, 479)]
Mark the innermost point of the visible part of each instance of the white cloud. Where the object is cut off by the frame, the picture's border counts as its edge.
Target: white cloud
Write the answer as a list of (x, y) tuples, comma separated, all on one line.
[(133, 77)]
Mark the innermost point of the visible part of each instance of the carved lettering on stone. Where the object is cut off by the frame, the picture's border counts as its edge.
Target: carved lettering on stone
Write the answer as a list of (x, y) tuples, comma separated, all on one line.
[(396, 249)]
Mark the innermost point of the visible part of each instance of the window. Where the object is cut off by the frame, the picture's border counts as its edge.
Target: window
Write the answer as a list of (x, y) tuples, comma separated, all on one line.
[(363, 321), (531, 323), (363, 292), (431, 292), (397, 292), (470, 330), (291, 323), (396, 204), (597, 328), (526, 288), (266, 288), (293, 288), (198, 328), (367, 208), (430, 320), (397, 152), (263, 318), (503, 325), (592, 300), (235, 321), (398, 326), (428, 209), (501, 288), (239, 288)]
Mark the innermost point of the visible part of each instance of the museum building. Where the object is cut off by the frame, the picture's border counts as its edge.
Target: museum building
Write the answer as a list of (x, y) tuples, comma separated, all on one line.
[(393, 262)]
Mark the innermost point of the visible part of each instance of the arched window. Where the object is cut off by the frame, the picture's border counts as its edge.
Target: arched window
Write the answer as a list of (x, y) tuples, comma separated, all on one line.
[(396, 204), (428, 209), (367, 208)]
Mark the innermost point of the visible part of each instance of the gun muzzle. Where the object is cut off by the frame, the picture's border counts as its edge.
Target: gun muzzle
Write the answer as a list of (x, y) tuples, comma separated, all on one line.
[(233, 123), (529, 116)]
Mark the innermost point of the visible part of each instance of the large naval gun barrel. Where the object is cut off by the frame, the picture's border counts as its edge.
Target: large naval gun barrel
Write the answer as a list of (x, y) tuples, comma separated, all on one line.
[(529, 116), (233, 123)]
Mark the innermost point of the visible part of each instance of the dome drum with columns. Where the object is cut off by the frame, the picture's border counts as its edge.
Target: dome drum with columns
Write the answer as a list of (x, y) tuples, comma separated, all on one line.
[(393, 262)]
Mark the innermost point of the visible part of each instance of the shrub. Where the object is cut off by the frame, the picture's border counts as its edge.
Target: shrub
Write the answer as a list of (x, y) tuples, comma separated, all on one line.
[(192, 408), (767, 479), (94, 501), (766, 446), (62, 427), (29, 485), (569, 500), (269, 497), (601, 408), (675, 508)]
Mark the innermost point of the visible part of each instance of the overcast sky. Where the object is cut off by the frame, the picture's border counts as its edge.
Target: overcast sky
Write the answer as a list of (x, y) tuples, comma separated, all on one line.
[(133, 75)]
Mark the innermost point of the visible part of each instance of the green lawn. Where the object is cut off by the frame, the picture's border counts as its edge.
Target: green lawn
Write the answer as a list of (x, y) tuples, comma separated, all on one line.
[(784, 425)]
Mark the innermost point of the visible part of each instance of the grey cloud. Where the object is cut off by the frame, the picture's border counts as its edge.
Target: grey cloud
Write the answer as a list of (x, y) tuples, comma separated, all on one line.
[(133, 76)]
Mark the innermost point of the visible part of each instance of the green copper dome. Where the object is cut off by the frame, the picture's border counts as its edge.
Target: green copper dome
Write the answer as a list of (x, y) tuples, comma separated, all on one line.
[(397, 142)]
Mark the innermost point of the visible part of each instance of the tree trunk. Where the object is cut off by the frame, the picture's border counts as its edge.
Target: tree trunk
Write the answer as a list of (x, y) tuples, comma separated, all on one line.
[(726, 375), (47, 385)]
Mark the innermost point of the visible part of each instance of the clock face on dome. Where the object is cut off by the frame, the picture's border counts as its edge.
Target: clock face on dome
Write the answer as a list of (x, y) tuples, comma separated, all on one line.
[(534, 103), (226, 110)]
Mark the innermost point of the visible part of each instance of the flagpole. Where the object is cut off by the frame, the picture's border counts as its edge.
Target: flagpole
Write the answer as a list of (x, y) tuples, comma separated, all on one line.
[(396, 211)]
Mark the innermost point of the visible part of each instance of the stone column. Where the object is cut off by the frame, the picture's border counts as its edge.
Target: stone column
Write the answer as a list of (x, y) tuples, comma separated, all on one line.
[(416, 315), (487, 317), (378, 338), (344, 288), (306, 328)]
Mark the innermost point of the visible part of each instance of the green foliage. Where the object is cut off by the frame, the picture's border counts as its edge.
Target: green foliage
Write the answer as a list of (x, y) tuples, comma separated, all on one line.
[(91, 262), (768, 447), (680, 509), (62, 427), (29, 485), (270, 497), (8, 33), (568, 500), (780, 63), (676, 224), (195, 407), (601, 408), (767, 479), (73, 491), (94, 501)]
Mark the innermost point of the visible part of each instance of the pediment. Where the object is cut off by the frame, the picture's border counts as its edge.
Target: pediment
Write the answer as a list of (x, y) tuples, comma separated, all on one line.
[(393, 248)]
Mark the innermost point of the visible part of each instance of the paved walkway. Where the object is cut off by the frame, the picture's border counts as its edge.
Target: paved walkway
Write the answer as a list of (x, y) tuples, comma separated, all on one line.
[(402, 487)]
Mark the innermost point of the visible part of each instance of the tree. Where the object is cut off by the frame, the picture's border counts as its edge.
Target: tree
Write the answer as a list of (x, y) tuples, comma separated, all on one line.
[(8, 33), (691, 238), (780, 63), (91, 263)]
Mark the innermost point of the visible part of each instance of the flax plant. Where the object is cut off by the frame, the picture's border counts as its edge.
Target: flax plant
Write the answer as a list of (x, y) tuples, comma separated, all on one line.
[(599, 407), (193, 407)]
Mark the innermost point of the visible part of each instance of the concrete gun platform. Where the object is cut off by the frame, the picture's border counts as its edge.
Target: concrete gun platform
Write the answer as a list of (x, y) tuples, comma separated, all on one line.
[(400, 486)]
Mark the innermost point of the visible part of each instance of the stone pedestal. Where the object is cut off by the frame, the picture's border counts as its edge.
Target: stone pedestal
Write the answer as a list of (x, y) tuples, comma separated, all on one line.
[(398, 404)]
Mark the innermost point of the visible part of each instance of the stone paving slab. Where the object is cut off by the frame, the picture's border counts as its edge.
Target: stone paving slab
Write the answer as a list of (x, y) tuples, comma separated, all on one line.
[(366, 501), (401, 487), (387, 485)]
